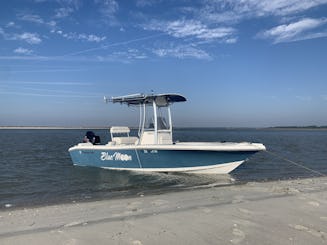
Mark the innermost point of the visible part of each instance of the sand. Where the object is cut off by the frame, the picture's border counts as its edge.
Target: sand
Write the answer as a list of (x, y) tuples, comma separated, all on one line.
[(281, 212)]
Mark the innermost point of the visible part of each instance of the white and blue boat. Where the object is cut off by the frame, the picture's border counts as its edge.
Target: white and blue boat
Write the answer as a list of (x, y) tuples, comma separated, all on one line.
[(154, 149)]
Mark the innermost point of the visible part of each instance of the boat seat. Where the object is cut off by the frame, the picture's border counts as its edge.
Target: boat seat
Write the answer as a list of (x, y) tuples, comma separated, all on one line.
[(119, 130), (125, 140)]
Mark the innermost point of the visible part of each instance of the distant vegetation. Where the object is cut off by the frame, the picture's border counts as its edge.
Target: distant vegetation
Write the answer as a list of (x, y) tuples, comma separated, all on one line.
[(302, 127)]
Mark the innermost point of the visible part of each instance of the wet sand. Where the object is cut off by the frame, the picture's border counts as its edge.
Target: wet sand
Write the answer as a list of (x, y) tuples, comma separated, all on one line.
[(280, 212)]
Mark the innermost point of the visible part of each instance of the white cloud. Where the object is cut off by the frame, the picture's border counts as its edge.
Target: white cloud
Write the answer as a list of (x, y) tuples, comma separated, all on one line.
[(117, 44), (231, 40), (67, 7), (146, 3), (91, 38), (63, 12), (34, 18), (182, 52), (108, 8), (52, 23), (283, 7), (21, 50), (306, 98), (125, 56), (191, 28), (11, 24), (82, 36), (231, 11), (74, 3), (31, 18), (31, 38), (294, 31), (215, 20)]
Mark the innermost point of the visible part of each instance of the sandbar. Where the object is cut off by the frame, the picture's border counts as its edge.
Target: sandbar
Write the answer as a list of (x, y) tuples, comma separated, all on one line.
[(277, 212)]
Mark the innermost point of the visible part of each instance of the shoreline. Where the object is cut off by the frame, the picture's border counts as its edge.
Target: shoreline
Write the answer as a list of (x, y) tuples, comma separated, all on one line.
[(278, 212), (50, 127), (176, 128)]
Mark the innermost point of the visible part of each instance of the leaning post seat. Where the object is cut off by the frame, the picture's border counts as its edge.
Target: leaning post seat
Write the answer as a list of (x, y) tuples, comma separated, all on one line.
[(119, 130), (122, 140)]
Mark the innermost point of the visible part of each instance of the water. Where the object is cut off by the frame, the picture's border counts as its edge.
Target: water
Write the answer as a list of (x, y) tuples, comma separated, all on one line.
[(35, 167)]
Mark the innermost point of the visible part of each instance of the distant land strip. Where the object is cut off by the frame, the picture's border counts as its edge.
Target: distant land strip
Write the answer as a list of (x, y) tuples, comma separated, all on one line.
[(178, 128), (51, 127), (299, 127)]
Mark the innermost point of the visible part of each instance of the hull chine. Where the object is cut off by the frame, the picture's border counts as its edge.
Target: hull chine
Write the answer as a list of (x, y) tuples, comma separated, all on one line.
[(211, 169)]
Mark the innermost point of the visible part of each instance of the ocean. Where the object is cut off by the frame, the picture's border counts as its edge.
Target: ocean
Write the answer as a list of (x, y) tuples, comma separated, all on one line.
[(36, 169)]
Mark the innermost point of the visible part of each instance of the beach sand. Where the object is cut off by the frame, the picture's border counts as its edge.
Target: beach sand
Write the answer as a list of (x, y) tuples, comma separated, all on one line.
[(280, 212)]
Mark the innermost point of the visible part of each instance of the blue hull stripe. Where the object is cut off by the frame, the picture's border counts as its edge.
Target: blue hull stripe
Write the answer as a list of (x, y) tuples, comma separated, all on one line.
[(155, 158)]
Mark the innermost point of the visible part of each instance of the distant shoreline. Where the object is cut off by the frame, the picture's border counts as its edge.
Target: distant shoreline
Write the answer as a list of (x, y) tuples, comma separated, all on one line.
[(49, 127), (185, 128)]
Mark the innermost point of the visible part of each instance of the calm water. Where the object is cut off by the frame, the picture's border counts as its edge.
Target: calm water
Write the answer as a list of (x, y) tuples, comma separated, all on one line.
[(35, 167)]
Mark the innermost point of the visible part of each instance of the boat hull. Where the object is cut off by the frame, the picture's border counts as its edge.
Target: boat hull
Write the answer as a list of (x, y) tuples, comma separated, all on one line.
[(163, 160)]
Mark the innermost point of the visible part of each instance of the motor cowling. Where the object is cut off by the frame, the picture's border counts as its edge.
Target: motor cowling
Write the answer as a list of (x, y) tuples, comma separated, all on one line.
[(91, 138)]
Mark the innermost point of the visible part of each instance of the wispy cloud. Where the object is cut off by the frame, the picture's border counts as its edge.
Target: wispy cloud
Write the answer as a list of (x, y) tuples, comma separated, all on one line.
[(31, 38), (295, 31), (195, 28), (21, 50), (81, 36), (63, 12), (230, 11), (34, 18), (67, 8), (182, 52), (125, 56), (305, 98), (11, 24), (108, 9), (216, 20), (191, 28), (283, 7), (106, 46), (116, 56), (146, 3), (31, 18)]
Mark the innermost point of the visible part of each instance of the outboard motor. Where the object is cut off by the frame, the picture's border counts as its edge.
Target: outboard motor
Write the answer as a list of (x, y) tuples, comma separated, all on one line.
[(97, 140), (91, 137)]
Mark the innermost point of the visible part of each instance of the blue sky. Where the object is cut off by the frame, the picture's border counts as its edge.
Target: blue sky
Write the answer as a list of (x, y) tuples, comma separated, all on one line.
[(242, 63)]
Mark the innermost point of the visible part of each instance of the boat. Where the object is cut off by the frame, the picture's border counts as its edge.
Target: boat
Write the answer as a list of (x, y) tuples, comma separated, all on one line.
[(153, 148)]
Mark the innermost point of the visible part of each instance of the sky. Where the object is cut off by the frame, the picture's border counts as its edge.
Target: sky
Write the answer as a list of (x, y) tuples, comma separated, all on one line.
[(249, 63)]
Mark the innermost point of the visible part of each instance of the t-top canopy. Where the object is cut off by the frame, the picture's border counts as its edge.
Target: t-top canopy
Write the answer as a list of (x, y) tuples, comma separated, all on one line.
[(136, 99)]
